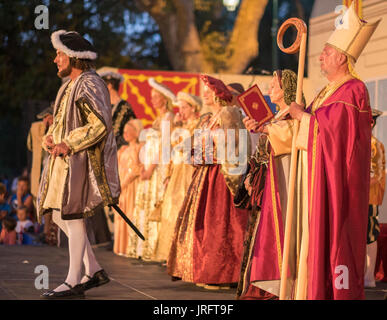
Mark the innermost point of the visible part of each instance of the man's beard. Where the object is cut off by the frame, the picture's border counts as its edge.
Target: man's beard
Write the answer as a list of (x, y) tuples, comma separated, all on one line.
[(65, 72)]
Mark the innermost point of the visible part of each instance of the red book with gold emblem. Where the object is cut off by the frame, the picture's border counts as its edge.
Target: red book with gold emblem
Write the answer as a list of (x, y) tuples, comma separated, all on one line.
[(255, 105)]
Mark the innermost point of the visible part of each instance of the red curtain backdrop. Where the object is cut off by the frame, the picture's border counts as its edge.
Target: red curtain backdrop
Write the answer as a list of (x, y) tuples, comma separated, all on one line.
[(136, 90)]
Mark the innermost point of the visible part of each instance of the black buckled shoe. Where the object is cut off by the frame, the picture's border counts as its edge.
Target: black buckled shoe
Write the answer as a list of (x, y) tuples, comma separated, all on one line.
[(75, 292), (98, 279)]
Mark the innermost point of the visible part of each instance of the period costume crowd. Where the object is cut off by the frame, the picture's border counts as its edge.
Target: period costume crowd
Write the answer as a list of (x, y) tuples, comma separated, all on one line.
[(212, 221)]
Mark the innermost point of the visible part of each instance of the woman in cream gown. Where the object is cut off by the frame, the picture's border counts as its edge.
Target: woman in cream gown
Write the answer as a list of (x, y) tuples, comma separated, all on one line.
[(151, 188), (129, 168), (180, 171)]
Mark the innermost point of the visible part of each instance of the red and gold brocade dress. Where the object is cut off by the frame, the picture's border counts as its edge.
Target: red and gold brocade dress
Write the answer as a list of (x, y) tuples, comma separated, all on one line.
[(208, 240)]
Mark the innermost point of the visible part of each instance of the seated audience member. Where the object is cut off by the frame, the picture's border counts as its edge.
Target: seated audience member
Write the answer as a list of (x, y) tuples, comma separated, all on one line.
[(13, 184), (4, 180), (23, 223), (22, 198), (8, 233), (5, 209)]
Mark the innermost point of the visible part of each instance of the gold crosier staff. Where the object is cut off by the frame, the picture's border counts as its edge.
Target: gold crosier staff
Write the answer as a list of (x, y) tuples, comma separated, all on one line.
[(298, 45)]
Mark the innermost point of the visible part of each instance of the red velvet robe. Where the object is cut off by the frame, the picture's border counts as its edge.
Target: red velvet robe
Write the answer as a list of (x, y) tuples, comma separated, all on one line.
[(218, 236), (267, 253), (339, 151)]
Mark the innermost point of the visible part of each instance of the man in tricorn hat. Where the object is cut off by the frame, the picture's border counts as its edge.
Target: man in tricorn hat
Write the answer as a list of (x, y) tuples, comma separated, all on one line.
[(335, 130), (122, 112), (82, 173)]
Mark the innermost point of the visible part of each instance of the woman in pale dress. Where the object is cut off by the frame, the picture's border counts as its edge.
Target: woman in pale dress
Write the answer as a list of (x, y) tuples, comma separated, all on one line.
[(129, 168), (151, 187), (180, 175)]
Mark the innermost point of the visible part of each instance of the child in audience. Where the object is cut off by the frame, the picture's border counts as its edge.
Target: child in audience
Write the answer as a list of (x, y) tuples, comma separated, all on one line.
[(23, 198), (5, 209), (8, 233), (23, 223)]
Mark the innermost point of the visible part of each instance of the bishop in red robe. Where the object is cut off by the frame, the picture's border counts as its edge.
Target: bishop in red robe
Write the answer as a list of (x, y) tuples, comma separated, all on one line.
[(339, 154)]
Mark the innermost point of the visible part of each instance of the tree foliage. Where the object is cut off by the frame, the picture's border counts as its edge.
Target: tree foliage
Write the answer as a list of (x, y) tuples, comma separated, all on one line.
[(185, 35), (27, 71), (28, 79)]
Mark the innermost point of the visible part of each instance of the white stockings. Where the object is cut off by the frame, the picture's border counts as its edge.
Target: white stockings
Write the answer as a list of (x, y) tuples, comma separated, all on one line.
[(80, 251)]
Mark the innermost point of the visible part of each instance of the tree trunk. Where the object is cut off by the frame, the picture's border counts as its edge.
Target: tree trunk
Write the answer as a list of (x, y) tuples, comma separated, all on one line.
[(243, 45), (178, 30), (176, 21)]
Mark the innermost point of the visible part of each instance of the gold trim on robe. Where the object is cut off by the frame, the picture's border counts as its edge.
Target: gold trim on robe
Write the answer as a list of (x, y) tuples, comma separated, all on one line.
[(378, 172), (83, 137)]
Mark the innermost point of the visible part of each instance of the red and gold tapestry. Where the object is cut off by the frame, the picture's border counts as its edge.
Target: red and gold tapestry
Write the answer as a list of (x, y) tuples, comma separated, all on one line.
[(136, 90)]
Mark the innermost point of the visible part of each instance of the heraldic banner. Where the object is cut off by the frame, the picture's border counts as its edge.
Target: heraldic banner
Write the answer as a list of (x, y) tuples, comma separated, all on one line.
[(136, 90)]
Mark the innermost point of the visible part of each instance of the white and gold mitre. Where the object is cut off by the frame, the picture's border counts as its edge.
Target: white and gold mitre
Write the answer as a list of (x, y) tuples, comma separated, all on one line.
[(352, 34)]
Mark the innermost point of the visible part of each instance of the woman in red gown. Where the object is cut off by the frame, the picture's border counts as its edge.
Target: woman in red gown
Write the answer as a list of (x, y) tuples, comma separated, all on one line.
[(208, 242)]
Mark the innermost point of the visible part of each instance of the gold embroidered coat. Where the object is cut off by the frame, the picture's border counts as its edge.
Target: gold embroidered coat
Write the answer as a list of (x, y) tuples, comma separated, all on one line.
[(88, 177)]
